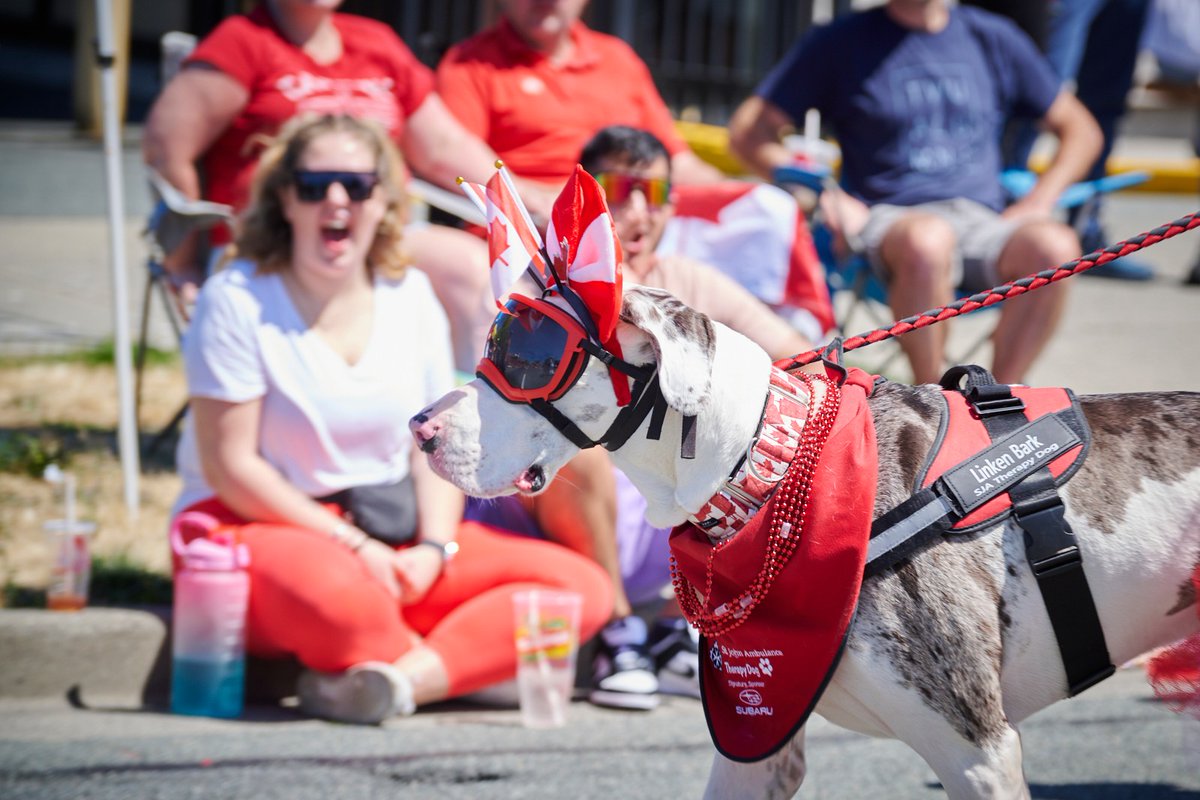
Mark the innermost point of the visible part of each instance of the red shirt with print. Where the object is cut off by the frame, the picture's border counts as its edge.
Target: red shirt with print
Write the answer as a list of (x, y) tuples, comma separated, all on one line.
[(538, 115), (377, 77)]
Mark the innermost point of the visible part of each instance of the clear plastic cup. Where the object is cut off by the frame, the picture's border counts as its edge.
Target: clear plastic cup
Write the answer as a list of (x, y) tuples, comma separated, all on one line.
[(547, 639), (71, 574)]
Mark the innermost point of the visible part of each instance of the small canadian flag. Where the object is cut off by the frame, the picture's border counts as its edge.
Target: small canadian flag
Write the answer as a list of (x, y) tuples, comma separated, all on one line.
[(514, 244), (583, 245)]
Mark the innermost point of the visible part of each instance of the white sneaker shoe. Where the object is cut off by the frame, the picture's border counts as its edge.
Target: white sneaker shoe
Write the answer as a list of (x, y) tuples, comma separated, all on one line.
[(366, 694), (675, 648), (622, 673)]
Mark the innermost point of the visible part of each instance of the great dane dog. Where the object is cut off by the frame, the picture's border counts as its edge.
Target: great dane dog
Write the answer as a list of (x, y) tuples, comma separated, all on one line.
[(952, 647)]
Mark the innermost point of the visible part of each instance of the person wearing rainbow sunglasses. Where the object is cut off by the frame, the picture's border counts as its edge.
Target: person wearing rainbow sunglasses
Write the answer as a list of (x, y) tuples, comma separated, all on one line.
[(633, 168)]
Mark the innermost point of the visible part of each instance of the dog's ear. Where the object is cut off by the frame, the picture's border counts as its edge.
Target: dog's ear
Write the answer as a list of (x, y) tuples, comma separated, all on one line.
[(683, 342)]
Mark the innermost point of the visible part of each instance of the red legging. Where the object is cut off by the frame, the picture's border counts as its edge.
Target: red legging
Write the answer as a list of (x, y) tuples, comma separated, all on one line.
[(313, 598)]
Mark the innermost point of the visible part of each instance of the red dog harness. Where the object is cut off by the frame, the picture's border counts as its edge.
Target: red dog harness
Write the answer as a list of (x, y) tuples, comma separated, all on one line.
[(1023, 444)]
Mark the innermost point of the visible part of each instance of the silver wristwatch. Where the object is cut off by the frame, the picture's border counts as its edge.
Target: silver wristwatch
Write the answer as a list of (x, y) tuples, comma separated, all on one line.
[(447, 549)]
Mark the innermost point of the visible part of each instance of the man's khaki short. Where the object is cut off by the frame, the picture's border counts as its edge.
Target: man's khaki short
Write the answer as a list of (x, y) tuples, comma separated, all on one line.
[(980, 231)]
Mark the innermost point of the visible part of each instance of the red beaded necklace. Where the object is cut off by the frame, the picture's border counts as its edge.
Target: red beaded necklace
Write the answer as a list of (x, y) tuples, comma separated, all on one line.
[(788, 505)]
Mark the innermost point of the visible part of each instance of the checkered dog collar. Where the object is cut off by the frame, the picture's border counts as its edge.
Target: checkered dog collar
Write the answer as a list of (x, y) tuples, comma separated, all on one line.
[(766, 460)]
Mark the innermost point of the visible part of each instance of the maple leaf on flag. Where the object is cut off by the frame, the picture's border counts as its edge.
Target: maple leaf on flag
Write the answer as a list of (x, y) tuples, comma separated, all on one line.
[(514, 245), (581, 236), (497, 241)]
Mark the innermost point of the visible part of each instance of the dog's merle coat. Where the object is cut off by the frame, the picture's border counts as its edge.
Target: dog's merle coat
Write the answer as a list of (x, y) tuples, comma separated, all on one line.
[(951, 648)]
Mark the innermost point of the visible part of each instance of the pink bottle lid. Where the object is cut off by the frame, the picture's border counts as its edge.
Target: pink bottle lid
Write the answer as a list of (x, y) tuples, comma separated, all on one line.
[(209, 549)]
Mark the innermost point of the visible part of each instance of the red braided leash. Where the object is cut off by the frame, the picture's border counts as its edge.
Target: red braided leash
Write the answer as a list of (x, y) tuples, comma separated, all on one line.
[(1011, 289)]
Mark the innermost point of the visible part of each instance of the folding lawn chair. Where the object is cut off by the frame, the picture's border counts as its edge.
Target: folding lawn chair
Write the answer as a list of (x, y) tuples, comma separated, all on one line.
[(174, 217)]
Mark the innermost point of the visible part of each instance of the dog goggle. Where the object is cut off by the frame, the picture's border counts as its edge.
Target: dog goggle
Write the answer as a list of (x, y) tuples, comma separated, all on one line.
[(618, 188), (312, 186), (535, 350), (535, 353)]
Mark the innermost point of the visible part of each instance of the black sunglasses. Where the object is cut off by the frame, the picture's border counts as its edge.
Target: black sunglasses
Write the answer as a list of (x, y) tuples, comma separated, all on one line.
[(312, 186)]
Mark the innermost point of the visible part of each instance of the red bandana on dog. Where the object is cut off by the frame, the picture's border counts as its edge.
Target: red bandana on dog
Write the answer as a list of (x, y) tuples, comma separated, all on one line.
[(776, 599)]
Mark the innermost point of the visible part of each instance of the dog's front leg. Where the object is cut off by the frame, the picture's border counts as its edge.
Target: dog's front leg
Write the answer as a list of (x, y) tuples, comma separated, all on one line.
[(778, 776), (973, 771)]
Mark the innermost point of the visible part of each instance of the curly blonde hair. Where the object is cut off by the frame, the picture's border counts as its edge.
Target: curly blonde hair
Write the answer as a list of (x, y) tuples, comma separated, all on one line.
[(265, 235)]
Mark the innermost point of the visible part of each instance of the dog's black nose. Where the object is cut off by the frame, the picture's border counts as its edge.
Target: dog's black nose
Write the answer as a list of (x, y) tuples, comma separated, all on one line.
[(537, 478)]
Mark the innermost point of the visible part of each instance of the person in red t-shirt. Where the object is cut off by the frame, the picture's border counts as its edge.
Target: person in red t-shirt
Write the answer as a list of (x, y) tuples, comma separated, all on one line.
[(289, 57), (538, 84)]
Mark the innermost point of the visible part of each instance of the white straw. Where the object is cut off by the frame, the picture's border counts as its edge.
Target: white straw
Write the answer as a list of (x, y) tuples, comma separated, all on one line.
[(54, 474), (69, 492), (812, 125)]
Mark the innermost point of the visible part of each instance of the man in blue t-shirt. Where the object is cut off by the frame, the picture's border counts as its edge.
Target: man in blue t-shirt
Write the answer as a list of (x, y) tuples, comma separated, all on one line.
[(917, 92)]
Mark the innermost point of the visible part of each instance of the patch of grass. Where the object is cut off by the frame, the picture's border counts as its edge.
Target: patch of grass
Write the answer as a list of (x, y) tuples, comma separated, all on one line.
[(102, 354), (30, 452), (116, 581)]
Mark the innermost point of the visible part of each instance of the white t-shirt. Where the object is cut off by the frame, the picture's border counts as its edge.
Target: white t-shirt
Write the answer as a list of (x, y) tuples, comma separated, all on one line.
[(326, 425)]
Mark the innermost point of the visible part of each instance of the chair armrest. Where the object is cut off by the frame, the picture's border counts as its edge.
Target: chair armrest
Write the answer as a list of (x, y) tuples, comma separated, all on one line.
[(810, 176), (449, 202), (1018, 182), (175, 216)]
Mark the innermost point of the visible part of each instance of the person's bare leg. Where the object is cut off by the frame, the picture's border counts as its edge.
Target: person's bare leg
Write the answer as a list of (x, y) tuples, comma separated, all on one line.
[(457, 265), (579, 510), (918, 250), (427, 674), (1027, 322)]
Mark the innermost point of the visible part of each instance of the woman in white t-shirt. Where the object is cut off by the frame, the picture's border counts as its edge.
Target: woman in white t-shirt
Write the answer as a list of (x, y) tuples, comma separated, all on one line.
[(305, 359)]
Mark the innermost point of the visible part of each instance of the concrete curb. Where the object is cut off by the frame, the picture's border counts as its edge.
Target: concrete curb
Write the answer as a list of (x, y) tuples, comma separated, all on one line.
[(111, 657), (118, 657)]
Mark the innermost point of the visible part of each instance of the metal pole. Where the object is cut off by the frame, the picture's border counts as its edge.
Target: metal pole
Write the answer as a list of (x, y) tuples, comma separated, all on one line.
[(126, 424)]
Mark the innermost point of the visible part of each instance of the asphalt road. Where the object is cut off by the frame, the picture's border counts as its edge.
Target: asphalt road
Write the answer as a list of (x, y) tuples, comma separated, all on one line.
[(1115, 742)]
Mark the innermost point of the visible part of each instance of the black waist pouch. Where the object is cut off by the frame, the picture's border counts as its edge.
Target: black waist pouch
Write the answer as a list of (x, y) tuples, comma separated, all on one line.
[(386, 511)]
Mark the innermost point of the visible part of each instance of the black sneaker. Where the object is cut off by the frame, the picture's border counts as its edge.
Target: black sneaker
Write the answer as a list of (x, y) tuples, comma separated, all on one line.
[(675, 648), (623, 672)]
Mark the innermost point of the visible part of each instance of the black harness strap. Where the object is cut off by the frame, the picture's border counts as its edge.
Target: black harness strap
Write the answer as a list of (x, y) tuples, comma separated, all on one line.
[(1050, 543), (564, 425)]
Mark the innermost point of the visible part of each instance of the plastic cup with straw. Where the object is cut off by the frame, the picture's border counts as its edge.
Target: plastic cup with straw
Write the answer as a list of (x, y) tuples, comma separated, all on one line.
[(72, 567)]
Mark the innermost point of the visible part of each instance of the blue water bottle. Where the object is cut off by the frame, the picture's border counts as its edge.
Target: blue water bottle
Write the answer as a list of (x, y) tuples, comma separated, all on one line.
[(208, 632)]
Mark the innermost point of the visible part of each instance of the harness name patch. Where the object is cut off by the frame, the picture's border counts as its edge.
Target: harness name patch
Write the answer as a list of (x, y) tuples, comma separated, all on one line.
[(1003, 464)]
